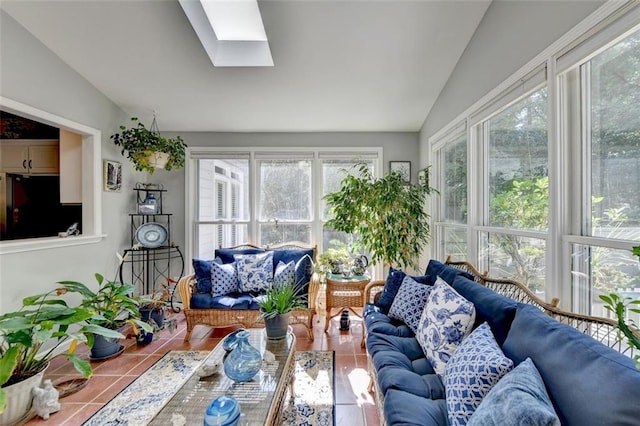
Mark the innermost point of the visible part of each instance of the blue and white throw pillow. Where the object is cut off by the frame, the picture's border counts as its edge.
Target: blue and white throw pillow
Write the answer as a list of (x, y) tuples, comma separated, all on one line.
[(255, 271), (448, 318), (472, 371), (285, 274), (519, 398), (224, 279), (409, 302)]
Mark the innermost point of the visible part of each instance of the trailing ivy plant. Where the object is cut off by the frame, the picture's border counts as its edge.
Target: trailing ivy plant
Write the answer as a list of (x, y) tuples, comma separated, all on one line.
[(388, 214)]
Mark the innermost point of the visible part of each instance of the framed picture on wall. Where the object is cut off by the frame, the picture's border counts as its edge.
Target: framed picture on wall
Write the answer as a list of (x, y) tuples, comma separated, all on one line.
[(111, 175), (404, 167)]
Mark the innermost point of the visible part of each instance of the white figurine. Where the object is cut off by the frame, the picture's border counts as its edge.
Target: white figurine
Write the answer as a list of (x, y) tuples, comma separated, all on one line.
[(208, 368), (268, 357), (45, 400)]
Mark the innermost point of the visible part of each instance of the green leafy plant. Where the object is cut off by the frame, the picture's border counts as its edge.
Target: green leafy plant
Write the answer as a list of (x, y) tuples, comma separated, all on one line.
[(280, 299), (138, 143), (387, 214), (329, 257), (627, 326), (32, 336)]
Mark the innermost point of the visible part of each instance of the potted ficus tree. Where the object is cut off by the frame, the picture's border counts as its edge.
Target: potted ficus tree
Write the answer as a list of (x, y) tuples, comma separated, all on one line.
[(44, 327), (388, 214), (147, 149)]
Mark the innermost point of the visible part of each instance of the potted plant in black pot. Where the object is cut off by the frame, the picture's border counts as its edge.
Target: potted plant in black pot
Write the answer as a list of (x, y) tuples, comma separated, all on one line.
[(113, 306), (44, 327), (276, 306), (147, 149), (153, 310)]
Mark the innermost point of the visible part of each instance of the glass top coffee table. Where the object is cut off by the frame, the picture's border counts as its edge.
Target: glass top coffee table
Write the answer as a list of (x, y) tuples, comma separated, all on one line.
[(260, 399)]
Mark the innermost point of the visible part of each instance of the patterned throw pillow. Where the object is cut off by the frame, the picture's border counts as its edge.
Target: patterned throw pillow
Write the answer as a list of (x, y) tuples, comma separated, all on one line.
[(448, 318), (224, 279), (285, 274), (409, 303), (472, 371), (519, 398), (202, 269), (255, 271)]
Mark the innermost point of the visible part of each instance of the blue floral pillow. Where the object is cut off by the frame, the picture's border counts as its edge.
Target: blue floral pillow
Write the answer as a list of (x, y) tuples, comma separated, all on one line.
[(224, 279), (409, 303), (519, 398), (285, 274), (475, 367), (255, 271), (446, 320)]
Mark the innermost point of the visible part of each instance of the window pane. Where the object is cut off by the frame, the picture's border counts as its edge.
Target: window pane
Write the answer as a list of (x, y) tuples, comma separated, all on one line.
[(455, 243), (271, 233), (518, 180), (216, 201), (600, 270), (333, 171), (285, 190), (515, 257), (212, 236), (615, 141), (454, 178)]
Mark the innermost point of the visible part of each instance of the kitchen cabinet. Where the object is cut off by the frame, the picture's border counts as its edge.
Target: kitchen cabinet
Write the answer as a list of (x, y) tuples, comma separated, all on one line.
[(70, 167), (30, 157)]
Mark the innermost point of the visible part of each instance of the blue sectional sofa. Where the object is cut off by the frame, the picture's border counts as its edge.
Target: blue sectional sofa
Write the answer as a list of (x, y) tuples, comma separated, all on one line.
[(203, 304), (586, 382)]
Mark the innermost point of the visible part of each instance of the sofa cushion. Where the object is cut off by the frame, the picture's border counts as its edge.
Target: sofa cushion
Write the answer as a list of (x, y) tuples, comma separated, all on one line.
[(403, 408), (224, 279), (391, 287), (284, 274), (518, 398), (226, 254), (497, 310), (473, 369), (409, 303), (447, 318), (290, 255), (407, 346), (202, 269), (304, 271), (238, 301), (446, 272), (255, 271), (588, 382), (425, 385)]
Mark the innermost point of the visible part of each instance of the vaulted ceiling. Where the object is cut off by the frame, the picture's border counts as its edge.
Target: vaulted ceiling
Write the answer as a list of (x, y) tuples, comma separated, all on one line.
[(351, 65)]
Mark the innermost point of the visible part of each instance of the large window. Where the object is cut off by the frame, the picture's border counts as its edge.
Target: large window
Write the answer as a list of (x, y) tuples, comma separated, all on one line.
[(267, 198)]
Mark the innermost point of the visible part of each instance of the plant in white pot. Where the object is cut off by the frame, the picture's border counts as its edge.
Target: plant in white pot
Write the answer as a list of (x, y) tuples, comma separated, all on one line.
[(146, 147), (276, 306), (44, 327)]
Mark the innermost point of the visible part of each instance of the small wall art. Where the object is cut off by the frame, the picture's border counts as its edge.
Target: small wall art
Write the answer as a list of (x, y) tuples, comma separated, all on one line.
[(112, 175), (404, 167)]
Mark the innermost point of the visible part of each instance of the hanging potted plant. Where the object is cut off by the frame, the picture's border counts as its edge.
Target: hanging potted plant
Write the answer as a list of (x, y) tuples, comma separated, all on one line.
[(388, 215), (147, 149), (31, 337)]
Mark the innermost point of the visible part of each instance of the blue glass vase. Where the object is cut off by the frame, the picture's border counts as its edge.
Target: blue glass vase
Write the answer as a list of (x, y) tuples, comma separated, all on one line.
[(244, 361)]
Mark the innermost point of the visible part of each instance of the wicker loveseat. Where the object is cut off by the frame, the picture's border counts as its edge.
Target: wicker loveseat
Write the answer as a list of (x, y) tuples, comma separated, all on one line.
[(578, 357), (201, 308)]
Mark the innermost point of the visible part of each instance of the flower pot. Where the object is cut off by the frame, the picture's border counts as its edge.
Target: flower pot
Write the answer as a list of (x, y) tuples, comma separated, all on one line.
[(19, 398), (104, 348), (277, 326), (158, 159), (144, 338), (156, 314)]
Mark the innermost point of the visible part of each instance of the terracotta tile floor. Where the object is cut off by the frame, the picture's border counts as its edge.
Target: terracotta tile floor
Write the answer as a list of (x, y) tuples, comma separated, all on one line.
[(354, 405)]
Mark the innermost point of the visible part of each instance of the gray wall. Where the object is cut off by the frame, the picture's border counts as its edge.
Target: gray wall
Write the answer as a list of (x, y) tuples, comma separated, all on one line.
[(31, 74), (510, 35)]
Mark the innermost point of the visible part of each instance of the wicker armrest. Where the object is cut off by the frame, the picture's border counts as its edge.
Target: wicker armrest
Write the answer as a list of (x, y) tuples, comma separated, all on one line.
[(314, 289), (374, 288), (185, 289)]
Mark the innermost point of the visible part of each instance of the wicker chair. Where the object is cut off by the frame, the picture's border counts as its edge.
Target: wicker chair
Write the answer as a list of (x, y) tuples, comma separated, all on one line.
[(246, 317)]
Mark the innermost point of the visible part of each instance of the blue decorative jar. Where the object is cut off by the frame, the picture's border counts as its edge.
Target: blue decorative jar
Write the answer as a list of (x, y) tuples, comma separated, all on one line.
[(244, 361), (223, 411)]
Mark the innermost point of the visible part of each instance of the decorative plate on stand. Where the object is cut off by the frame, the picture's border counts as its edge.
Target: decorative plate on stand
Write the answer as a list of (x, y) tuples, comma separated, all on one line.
[(152, 234)]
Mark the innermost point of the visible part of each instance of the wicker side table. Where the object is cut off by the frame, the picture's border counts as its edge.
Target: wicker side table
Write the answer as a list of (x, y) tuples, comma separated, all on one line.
[(344, 293)]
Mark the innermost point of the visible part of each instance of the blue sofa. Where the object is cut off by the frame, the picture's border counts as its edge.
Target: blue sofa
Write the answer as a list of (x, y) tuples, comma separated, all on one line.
[(201, 306), (587, 382)]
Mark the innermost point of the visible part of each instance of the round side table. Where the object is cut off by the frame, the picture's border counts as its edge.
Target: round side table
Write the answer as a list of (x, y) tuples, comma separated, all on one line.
[(344, 293)]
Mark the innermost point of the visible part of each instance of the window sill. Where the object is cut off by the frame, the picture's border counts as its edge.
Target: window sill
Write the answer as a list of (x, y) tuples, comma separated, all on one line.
[(9, 247)]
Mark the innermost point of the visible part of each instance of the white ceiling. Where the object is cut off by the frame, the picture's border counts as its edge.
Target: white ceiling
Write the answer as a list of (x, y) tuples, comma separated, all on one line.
[(350, 65)]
